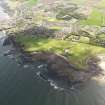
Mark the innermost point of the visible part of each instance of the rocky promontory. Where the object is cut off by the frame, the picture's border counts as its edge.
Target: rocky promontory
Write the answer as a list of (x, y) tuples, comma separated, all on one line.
[(53, 35), (59, 65)]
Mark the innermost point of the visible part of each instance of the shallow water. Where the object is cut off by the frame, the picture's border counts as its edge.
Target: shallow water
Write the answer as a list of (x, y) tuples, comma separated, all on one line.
[(21, 86)]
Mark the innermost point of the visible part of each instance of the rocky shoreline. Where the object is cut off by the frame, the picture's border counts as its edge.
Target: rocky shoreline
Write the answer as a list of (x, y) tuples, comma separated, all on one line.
[(57, 65)]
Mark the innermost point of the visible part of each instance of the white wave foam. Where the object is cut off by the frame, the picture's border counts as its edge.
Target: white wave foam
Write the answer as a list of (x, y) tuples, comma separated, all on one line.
[(38, 73), (54, 85), (40, 66)]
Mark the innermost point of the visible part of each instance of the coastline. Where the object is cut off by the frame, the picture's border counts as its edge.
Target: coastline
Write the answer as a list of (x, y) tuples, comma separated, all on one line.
[(60, 64), (57, 64)]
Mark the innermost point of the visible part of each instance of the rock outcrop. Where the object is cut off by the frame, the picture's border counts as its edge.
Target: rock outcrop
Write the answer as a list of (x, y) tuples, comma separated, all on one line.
[(61, 67)]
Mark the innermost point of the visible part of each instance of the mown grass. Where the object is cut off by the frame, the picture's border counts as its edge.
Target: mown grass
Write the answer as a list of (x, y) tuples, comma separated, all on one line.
[(77, 53)]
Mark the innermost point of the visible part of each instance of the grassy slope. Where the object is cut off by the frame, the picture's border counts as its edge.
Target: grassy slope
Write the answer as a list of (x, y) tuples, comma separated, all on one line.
[(77, 52), (96, 18)]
